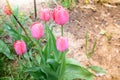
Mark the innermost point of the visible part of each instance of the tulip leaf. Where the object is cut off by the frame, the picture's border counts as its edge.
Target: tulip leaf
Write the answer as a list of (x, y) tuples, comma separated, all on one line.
[(98, 70), (77, 72), (13, 20), (16, 11), (52, 45), (26, 56), (38, 58), (50, 49), (50, 73), (5, 50), (32, 69), (36, 73), (72, 61), (54, 65), (13, 33), (44, 72), (30, 54)]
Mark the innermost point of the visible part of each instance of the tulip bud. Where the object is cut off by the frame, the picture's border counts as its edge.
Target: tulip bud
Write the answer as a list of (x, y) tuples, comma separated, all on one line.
[(60, 15), (7, 10), (62, 44), (20, 47), (45, 14), (37, 30)]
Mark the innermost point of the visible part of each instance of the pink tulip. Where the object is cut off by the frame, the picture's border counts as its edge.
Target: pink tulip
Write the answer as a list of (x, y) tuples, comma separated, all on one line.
[(20, 47), (60, 15), (7, 10), (62, 44), (37, 30), (45, 14)]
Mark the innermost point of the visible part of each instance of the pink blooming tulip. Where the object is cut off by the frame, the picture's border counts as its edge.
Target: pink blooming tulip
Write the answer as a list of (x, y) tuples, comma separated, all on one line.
[(45, 14), (20, 47), (60, 15), (7, 10), (37, 30), (62, 44)]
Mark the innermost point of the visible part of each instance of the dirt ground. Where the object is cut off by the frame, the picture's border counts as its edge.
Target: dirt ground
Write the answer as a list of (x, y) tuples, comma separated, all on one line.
[(96, 19)]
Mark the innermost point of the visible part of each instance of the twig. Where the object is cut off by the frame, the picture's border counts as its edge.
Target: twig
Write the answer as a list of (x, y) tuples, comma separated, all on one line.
[(35, 10)]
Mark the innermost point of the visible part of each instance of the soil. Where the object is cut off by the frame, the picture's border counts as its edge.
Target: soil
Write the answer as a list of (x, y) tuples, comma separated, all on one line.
[(96, 19), (107, 52)]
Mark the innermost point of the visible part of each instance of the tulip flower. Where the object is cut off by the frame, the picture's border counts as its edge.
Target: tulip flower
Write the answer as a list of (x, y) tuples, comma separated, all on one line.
[(37, 30), (20, 47), (45, 14), (7, 10), (60, 15), (62, 44)]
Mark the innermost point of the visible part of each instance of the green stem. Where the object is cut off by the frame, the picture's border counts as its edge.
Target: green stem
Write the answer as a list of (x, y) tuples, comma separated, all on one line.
[(46, 31), (62, 34), (86, 44), (40, 51), (20, 64), (47, 37), (8, 4), (63, 66)]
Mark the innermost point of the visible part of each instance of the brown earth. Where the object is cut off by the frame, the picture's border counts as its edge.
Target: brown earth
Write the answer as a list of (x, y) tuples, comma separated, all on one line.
[(96, 19)]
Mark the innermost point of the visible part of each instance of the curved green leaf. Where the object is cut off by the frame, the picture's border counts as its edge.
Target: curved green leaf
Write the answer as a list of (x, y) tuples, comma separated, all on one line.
[(72, 61), (5, 50), (98, 70), (77, 72)]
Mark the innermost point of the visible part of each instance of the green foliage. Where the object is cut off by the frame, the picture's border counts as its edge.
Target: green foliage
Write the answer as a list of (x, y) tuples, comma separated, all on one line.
[(98, 70), (16, 35), (71, 61), (89, 53), (51, 46), (68, 3), (77, 72), (19, 15), (15, 12), (5, 68), (1, 67), (5, 50)]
